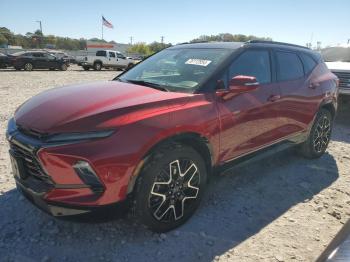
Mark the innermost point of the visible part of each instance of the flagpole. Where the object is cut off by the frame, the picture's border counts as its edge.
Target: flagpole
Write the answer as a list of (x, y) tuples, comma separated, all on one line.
[(102, 28)]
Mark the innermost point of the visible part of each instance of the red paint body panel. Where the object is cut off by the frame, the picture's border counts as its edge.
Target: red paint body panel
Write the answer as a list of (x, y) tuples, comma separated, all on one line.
[(143, 117)]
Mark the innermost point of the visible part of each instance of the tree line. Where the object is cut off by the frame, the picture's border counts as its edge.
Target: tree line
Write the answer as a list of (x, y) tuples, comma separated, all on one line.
[(38, 40)]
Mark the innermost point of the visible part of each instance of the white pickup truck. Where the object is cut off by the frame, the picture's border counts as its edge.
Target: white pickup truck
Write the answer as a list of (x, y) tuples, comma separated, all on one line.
[(338, 61), (107, 59)]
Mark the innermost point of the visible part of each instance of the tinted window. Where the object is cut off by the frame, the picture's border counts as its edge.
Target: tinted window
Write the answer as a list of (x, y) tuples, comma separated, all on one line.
[(253, 63), (120, 56), (309, 63), (289, 66), (111, 54), (101, 53), (38, 55)]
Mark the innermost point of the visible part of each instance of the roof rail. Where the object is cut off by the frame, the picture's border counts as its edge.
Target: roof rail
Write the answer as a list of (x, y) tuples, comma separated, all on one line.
[(274, 43)]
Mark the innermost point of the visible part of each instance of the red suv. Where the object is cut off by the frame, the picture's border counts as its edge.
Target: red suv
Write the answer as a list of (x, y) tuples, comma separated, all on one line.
[(155, 133)]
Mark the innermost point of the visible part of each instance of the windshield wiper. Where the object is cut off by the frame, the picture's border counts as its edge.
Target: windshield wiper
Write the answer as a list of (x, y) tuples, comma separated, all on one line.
[(148, 84)]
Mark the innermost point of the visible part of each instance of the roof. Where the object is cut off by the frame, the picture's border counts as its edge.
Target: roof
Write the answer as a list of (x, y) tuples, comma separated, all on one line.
[(235, 45), (252, 43), (224, 45)]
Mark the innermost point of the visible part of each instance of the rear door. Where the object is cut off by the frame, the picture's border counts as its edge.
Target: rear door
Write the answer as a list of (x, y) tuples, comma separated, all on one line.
[(39, 60), (248, 120), (297, 104)]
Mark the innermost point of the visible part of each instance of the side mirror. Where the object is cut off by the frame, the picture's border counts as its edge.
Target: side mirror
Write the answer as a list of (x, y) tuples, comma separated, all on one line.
[(238, 84), (242, 83)]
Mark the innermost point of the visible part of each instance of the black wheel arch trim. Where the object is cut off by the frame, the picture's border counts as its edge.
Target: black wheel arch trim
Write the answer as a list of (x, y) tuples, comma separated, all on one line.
[(195, 140)]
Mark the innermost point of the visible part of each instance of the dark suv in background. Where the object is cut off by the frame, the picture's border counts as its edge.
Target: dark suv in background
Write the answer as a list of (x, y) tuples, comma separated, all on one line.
[(37, 60), (156, 133)]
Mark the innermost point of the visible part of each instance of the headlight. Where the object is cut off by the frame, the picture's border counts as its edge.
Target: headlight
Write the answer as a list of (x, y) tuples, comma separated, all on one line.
[(70, 137), (11, 128)]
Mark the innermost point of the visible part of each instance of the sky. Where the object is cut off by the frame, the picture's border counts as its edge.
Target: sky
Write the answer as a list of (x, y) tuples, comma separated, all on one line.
[(293, 21)]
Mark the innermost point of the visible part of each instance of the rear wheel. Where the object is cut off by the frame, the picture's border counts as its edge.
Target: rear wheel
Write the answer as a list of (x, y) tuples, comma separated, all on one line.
[(63, 67), (170, 187), (28, 66), (319, 137), (97, 66)]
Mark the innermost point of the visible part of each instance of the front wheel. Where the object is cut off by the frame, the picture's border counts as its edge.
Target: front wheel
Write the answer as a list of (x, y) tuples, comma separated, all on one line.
[(319, 137), (170, 187), (28, 66)]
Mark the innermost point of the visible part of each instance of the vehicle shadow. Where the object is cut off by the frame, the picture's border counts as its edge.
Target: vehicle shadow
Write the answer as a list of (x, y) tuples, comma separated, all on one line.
[(236, 206)]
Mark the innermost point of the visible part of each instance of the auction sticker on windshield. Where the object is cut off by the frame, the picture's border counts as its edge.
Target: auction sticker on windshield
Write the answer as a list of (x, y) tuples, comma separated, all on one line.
[(200, 62)]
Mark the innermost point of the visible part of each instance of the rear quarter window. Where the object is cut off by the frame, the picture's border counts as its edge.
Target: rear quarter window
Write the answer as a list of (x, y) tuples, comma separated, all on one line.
[(309, 63), (289, 66), (101, 53)]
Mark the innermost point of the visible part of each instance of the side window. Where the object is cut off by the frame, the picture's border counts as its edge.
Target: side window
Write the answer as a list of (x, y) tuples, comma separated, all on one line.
[(120, 56), (41, 55), (111, 54), (289, 66), (309, 63), (253, 63), (101, 53)]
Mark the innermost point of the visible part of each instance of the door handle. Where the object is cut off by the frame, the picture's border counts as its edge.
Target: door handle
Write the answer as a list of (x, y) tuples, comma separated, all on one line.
[(273, 98), (314, 85)]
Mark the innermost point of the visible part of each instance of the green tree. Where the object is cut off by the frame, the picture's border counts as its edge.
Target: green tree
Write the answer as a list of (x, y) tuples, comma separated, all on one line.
[(140, 48), (3, 40)]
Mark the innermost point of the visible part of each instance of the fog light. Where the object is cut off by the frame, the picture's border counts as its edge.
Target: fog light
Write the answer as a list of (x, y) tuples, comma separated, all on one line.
[(88, 176)]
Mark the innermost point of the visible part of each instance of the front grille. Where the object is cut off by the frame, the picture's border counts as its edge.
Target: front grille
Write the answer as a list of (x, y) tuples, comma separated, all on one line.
[(344, 79), (32, 168)]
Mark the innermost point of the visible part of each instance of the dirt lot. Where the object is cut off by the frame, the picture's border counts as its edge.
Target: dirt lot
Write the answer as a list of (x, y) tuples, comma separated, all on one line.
[(283, 208)]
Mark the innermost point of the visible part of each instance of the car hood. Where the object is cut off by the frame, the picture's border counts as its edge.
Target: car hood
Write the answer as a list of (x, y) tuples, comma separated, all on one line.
[(90, 107), (338, 66)]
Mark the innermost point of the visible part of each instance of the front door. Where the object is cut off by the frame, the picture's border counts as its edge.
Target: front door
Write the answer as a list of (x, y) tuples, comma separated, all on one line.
[(248, 120)]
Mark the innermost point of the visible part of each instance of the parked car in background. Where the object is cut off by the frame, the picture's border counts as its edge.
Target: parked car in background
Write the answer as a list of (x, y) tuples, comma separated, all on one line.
[(107, 59), (62, 55), (154, 137), (4, 61), (29, 60), (338, 61)]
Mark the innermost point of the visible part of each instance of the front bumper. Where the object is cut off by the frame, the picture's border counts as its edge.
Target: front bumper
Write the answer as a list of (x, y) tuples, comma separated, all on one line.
[(54, 209), (46, 173)]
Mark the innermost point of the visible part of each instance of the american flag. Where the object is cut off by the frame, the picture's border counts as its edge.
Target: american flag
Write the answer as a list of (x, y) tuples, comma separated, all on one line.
[(106, 23)]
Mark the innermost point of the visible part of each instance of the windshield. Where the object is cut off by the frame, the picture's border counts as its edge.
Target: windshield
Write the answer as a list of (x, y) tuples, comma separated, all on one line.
[(177, 70), (336, 54)]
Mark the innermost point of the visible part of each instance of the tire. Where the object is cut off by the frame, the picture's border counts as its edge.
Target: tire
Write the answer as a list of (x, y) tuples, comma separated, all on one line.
[(97, 66), (166, 196), (319, 137), (28, 66), (86, 68), (63, 67)]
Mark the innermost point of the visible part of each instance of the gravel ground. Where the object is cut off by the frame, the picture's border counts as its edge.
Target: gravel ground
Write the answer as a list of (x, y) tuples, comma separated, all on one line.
[(281, 208)]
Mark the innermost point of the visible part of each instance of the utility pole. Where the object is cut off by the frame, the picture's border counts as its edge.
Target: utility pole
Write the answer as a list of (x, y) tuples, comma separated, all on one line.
[(130, 40), (162, 39), (349, 41), (41, 28)]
